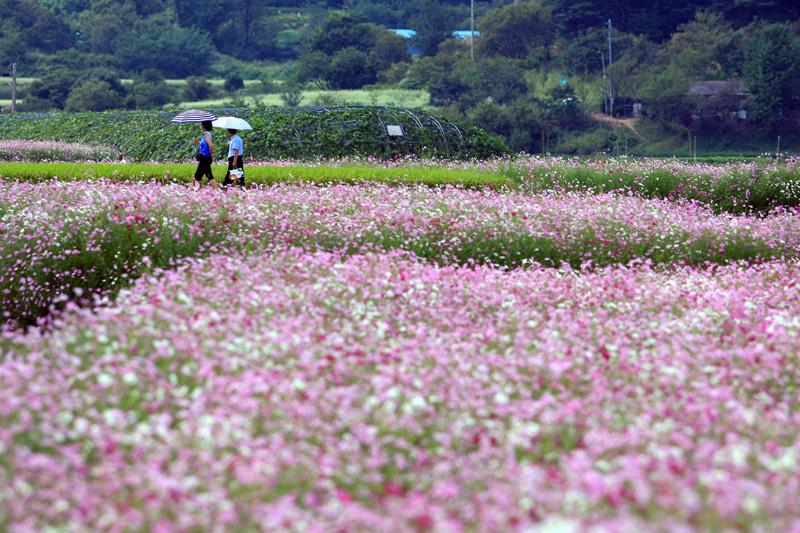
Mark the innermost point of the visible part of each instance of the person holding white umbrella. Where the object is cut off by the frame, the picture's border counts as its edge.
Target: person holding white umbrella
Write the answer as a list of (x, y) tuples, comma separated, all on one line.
[(235, 160), (235, 149)]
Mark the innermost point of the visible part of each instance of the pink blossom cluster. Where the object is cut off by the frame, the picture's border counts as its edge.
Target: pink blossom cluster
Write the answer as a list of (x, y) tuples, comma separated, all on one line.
[(305, 391), (523, 164), (99, 233), (54, 151)]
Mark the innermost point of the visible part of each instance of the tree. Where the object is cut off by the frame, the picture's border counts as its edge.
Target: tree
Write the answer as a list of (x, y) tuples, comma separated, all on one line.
[(350, 70), (344, 30), (101, 29), (52, 89), (94, 95), (151, 90), (198, 88), (176, 52), (770, 70), (291, 94), (389, 49), (447, 90), (433, 24), (425, 71), (516, 30), (572, 16), (104, 74), (233, 82), (313, 67), (665, 95), (501, 79), (692, 47)]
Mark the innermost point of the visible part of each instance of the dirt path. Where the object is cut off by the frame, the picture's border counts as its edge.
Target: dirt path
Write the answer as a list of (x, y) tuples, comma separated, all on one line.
[(629, 123)]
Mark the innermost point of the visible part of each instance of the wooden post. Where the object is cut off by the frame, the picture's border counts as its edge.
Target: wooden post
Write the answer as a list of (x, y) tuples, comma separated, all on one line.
[(14, 88), (779, 149), (542, 143), (690, 146)]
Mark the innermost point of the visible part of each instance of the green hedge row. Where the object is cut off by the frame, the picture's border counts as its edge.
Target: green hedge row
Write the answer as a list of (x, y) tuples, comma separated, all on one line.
[(278, 133)]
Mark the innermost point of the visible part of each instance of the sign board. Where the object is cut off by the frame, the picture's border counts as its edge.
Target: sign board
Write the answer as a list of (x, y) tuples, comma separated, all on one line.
[(394, 130)]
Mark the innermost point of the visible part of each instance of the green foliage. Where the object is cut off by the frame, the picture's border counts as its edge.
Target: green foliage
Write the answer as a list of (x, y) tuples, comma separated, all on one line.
[(344, 30), (198, 88), (433, 24), (501, 79), (425, 71), (26, 27), (233, 82), (150, 95), (291, 94), (664, 96), (516, 30), (177, 52), (583, 53), (347, 53), (389, 50), (51, 91), (693, 48), (94, 95), (313, 67), (447, 90), (771, 70), (349, 69), (278, 133)]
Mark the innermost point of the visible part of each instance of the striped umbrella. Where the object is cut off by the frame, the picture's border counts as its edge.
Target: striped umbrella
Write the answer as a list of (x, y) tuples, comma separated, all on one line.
[(192, 116)]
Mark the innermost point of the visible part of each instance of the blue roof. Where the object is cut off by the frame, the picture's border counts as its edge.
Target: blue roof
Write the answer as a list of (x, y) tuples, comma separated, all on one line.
[(405, 33), (464, 34)]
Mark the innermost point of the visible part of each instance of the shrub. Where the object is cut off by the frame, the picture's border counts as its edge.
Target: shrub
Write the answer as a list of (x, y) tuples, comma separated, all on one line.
[(277, 133)]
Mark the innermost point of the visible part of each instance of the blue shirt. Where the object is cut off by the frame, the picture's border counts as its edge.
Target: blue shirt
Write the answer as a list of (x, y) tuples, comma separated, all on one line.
[(235, 144), (204, 144)]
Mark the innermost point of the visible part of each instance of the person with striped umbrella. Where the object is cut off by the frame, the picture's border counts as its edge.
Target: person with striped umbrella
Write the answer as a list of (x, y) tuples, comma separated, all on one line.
[(205, 151), (205, 156)]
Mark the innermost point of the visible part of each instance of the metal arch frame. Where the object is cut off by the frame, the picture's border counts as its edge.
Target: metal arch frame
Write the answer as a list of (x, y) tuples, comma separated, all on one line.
[(421, 123)]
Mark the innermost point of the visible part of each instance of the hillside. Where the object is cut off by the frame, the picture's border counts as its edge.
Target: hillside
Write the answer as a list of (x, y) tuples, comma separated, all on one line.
[(537, 74)]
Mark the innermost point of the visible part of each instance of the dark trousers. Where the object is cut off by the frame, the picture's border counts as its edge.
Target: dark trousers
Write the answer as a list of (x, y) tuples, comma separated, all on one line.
[(203, 169), (228, 180)]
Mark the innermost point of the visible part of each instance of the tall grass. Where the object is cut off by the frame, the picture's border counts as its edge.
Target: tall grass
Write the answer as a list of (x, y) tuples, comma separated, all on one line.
[(255, 174), (753, 187)]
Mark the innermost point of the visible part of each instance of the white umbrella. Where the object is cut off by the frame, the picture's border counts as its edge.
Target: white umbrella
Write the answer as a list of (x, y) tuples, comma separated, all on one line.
[(231, 123)]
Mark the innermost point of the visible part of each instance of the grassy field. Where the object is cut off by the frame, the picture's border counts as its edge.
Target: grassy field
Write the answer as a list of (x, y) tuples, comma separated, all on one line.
[(411, 99), (262, 174)]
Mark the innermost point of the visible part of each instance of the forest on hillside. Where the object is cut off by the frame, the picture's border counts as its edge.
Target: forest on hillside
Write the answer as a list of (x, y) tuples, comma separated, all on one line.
[(539, 65)]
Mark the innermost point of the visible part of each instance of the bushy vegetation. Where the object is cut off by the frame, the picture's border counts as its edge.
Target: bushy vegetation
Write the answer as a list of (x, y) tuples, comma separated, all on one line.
[(277, 133)]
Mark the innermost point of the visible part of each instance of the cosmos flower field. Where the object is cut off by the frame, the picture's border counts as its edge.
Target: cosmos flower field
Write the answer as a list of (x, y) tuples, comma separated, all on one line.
[(375, 357)]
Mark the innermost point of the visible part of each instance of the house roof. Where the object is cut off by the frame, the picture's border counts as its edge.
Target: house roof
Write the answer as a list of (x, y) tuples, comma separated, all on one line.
[(714, 88)]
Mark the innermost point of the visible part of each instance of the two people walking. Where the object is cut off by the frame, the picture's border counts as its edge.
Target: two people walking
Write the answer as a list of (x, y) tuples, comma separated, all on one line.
[(205, 156)]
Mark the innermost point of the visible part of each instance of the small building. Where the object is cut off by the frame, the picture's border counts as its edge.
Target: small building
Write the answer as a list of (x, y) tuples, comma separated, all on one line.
[(732, 94), (717, 88)]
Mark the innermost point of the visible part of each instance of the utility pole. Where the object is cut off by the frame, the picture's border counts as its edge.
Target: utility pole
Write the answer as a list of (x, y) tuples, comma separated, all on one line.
[(610, 79), (605, 93), (472, 28), (14, 88)]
